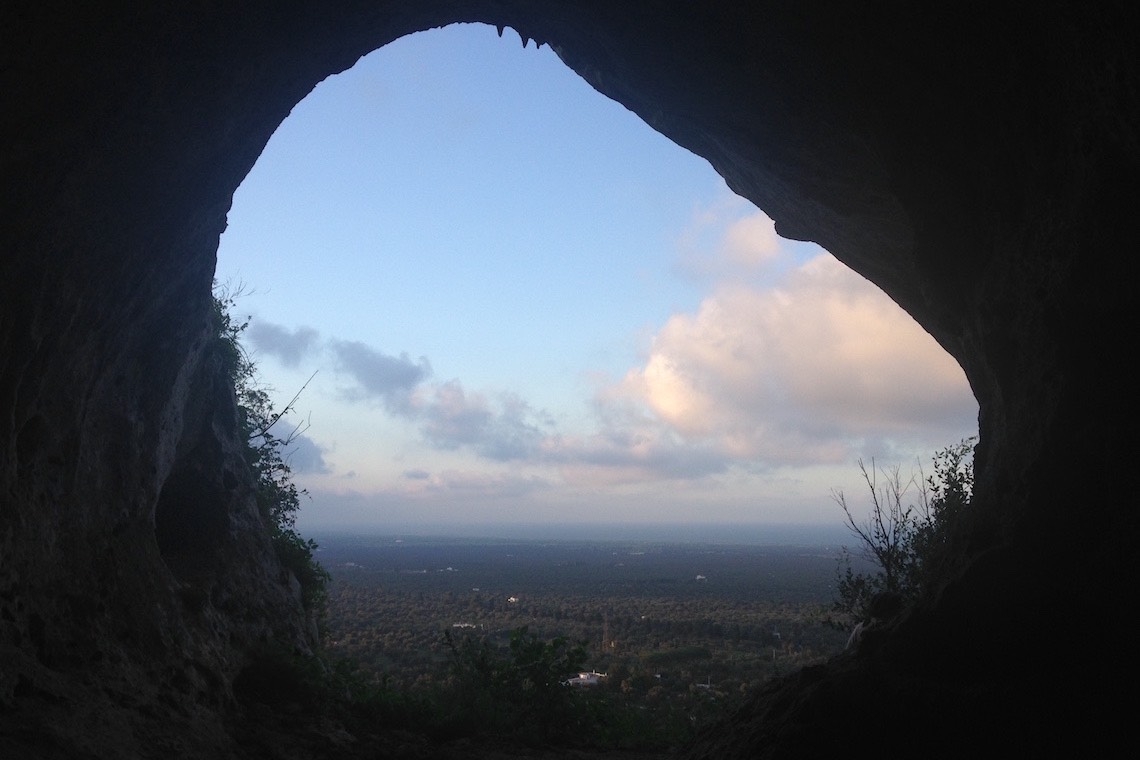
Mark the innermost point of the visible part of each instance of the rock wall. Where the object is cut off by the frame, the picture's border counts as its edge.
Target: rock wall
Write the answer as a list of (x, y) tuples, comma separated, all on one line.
[(979, 164)]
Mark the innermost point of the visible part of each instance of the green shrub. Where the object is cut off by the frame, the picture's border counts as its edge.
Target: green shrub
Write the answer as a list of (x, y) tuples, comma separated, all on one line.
[(906, 541)]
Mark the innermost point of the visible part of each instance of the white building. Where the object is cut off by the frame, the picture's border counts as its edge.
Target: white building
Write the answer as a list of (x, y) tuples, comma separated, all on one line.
[(583, 680)]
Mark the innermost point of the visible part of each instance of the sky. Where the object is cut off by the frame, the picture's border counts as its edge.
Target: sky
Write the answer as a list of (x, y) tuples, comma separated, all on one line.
[(513, 302)]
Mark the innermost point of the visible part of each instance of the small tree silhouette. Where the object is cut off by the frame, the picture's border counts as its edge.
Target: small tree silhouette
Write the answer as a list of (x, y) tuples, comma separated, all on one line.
[(906, 541)]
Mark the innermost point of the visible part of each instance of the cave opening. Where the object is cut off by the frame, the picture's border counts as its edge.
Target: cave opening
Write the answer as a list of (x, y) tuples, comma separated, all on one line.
[(991, 157), (454, 244), (519, 298)]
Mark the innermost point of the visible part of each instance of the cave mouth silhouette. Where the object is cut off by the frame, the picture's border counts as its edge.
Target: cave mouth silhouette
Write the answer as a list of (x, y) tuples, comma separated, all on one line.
[(980, 167), (301, 169)]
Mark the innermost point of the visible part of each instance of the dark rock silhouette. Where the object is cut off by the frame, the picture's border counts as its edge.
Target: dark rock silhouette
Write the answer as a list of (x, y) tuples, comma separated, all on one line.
[(978, 163)]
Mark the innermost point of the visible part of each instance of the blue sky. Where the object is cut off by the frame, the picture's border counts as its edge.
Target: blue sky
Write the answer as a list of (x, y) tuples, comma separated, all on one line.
[(522, 304)]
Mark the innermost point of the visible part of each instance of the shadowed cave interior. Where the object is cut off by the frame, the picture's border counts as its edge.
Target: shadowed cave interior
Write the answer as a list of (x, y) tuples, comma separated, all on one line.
[(980, 167)]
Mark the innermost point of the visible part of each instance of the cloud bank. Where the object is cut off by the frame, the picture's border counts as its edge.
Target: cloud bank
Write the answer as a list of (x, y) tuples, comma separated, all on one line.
[(802, 373), (787, 362), (508, 429)]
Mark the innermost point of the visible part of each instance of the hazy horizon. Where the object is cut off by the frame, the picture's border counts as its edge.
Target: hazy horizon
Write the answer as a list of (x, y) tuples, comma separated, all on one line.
[(665, 532)]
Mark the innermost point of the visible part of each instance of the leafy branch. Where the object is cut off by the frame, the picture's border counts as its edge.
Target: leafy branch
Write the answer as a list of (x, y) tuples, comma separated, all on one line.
[(906, 541)]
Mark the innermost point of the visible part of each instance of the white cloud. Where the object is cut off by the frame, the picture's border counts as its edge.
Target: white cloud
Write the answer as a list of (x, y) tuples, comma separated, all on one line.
[(794, 366), (728, 240), (751, 241), (798, 374), (820, 369)]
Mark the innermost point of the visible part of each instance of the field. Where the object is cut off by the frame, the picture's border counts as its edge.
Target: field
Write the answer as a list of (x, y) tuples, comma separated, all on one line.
[(679, 629)]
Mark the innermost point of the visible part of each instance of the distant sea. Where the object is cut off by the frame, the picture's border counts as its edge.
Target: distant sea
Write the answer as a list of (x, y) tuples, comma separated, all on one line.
[(703, 533)]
